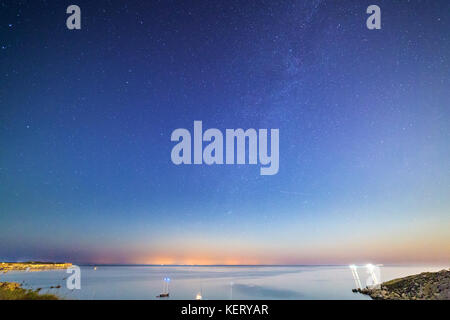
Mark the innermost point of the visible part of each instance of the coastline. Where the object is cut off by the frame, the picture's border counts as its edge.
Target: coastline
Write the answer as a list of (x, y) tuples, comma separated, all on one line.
[(423, 286), (31, 266), (14, 290), (412, 283)]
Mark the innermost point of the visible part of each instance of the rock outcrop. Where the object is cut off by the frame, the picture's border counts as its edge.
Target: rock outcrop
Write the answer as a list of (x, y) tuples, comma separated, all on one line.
[(14, 291), (424, 286)]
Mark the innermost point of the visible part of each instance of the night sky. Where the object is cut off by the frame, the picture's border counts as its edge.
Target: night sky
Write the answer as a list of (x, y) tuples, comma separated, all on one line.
[(86, 119)]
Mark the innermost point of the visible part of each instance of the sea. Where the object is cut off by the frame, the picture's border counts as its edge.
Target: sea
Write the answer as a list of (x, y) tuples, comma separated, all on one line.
[(210, 282)]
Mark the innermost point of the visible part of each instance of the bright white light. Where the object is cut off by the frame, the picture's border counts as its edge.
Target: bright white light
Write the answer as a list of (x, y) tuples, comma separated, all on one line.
[(370, 267)]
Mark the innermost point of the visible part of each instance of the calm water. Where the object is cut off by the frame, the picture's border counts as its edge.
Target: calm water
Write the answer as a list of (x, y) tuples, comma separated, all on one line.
[(236, 282)]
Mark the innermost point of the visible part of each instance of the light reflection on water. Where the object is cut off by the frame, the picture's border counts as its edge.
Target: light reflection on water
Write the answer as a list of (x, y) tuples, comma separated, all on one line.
[(215, 282)]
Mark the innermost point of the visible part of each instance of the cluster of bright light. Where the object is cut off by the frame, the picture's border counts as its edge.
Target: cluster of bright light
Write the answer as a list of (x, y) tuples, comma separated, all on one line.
[(369, 266)]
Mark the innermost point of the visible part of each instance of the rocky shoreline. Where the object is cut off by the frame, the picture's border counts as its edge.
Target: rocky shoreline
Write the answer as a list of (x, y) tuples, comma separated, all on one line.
[(32, 266), (423, 286), (14, 291)]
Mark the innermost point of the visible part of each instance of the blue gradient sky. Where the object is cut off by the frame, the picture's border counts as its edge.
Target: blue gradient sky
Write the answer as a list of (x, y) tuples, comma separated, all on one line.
[(86, 118)]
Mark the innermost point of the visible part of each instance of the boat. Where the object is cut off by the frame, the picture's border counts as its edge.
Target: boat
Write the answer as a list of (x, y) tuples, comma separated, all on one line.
[(199, 295), (165, 293)]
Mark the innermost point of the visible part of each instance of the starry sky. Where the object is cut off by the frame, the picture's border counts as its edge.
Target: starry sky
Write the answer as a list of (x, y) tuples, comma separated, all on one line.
[(86, 118)]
